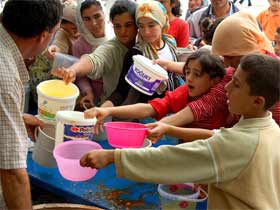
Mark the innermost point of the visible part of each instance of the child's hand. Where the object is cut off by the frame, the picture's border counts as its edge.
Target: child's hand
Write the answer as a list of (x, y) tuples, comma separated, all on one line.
[(157, 130), (100, 114), (163, 63), (97, 158), (68, 75), (51, 51)]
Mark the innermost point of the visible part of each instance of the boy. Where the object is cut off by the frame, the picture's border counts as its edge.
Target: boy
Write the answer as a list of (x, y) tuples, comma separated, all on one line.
[(269, 19), (234, 162), (277, 42), (202, 71)]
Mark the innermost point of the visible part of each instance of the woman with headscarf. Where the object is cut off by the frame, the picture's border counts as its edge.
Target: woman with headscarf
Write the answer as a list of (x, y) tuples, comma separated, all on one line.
[(235, 37), (94, 31), (153, 43)]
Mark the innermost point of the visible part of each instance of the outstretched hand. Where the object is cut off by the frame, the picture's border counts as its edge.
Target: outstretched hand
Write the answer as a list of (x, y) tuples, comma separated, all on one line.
[(156, 131), (68, 75), (100, 114), (97, 158)]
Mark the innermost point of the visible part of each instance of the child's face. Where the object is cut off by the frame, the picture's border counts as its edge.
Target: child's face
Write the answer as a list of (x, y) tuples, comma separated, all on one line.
[(125, 28), (240, 101), (277, 44), (149, 30), (198, 82), (71, 28), (274, 5)]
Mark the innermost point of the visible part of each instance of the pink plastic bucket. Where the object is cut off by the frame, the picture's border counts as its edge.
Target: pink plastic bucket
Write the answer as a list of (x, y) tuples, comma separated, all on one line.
[(67, 156), (126, 134)]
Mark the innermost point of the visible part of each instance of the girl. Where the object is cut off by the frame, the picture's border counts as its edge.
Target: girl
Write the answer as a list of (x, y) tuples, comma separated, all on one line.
[(153, 43), (202, 71)]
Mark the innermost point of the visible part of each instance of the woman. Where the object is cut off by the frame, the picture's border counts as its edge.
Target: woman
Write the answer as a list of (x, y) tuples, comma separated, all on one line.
[(92, 27), (107, 60), (153, 43)]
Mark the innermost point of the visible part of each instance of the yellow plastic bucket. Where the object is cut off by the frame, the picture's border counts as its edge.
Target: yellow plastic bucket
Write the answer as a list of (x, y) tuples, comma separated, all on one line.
[(54, 96)]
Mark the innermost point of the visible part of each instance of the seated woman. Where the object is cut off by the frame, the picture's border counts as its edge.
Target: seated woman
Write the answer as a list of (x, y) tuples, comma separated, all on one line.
[(153, 43), (94, 32)]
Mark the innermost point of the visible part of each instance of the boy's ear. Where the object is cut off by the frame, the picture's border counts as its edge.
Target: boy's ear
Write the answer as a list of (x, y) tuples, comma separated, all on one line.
[(259, 102)]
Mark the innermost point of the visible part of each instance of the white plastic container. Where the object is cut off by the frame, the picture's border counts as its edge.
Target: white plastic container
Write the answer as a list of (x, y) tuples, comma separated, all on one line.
[(63, 60), (145, 76), (71, 125), (182, 196), (54, 96)]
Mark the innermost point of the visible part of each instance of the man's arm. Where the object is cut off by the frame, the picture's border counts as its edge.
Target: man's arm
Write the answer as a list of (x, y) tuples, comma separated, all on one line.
[(16, 189)]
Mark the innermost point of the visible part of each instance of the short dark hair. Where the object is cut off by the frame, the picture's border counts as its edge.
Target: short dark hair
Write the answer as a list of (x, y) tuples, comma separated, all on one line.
[(28, 18), (208, 27), (176, 11), (88, 3), (210, 64), (263, 77), (123, 6)]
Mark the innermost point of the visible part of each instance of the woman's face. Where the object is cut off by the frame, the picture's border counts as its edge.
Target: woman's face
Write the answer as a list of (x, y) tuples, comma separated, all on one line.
[(193, 4), (150, 30), (94, 20)]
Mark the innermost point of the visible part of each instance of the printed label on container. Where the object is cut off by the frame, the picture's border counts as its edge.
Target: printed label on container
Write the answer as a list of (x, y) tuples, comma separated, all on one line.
[(78, 132), (142, 81)]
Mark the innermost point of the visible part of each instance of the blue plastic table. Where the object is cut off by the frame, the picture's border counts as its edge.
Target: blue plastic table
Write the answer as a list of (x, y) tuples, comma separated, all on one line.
[(104, 190)]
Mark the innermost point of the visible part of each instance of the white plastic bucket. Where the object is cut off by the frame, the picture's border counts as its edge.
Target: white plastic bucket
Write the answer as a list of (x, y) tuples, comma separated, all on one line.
[(181, 196), (54, 96), (71, 125), (183, 54), (145, 76)]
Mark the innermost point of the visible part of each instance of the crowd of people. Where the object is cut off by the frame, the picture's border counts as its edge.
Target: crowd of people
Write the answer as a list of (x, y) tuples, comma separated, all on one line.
[(222, 101)]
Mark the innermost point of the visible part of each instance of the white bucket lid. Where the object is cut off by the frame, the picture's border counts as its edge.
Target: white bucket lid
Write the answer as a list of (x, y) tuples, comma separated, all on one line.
[(147, 64), (74, 116)]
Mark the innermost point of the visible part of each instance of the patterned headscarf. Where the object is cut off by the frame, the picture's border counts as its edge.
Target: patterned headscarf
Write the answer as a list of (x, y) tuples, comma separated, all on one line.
[(239, 35), (157, 12)]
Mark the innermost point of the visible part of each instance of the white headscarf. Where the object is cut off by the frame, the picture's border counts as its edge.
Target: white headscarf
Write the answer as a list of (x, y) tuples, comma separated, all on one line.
[(85, 33)]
